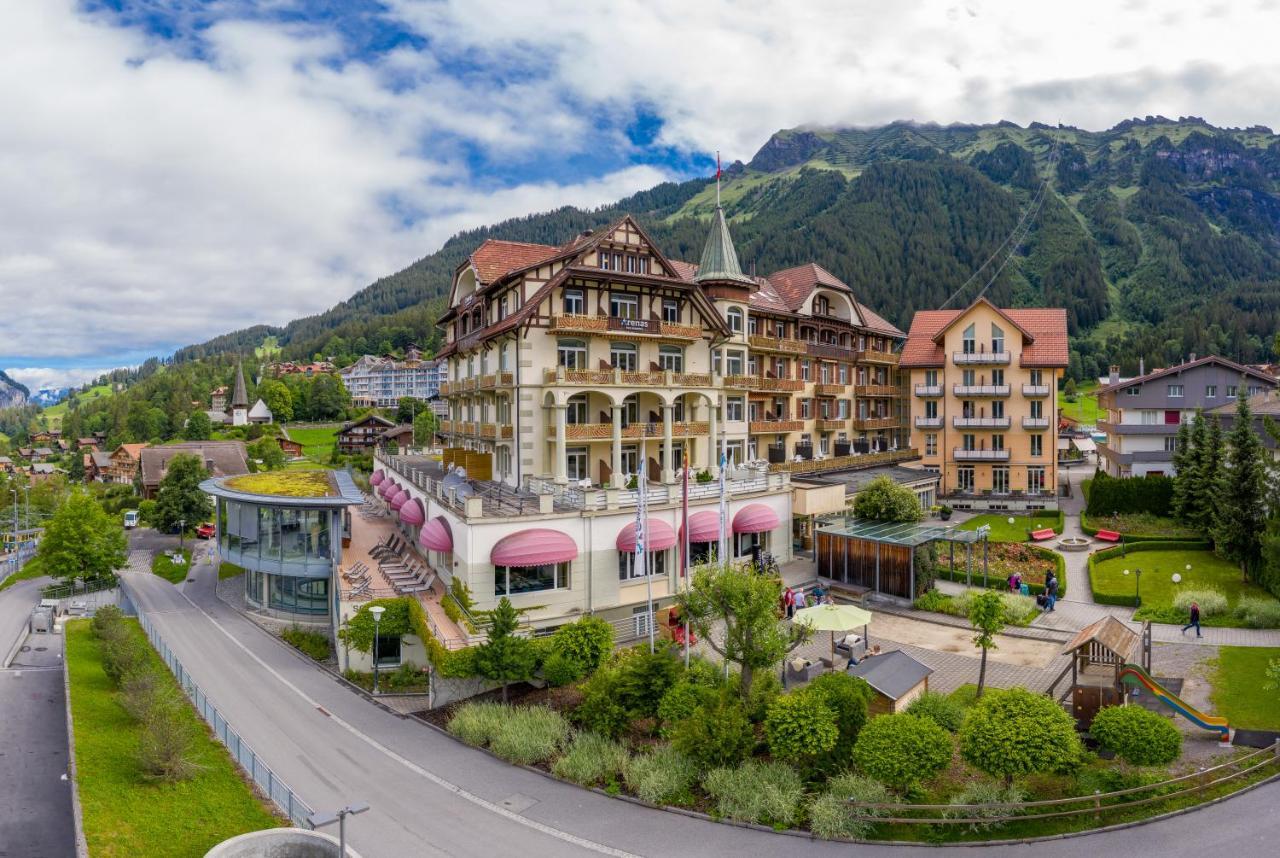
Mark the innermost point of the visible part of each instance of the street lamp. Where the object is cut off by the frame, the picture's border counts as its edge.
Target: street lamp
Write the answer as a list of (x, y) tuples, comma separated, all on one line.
[(182, 532), (376, 610), (328, 817)]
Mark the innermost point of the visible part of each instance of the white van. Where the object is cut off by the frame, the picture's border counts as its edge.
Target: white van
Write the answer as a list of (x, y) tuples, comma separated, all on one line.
[(130, 519)]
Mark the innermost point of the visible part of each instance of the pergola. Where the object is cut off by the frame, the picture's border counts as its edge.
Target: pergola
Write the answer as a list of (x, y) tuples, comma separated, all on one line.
[(881, 555)]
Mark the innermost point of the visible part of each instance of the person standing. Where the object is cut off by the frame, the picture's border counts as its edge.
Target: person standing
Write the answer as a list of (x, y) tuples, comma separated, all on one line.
[(789, 602), (1195, 619), (1051, 590)]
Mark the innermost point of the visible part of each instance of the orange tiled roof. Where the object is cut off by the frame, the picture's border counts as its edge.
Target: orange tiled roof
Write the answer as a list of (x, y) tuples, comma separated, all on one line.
[(494, 259), (685, 270), (795, 284), (1048, 325)]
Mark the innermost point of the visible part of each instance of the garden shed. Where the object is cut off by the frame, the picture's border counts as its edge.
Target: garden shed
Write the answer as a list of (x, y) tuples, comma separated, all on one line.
[(895, 677), (879, 556)]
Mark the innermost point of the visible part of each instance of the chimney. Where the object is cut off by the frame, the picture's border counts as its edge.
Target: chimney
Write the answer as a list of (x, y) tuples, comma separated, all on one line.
[(1193, 358), (1141, 366), (1114, 376)]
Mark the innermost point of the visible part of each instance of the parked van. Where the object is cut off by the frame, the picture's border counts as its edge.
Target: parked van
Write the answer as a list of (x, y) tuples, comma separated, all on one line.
[(130, 519)]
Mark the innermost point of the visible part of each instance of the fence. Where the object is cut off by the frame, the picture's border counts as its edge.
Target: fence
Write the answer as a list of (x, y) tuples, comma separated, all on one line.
[(66, 591), (298, 811)]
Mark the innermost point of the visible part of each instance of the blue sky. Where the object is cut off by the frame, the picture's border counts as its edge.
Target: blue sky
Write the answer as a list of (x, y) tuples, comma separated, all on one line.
[(188, 168)]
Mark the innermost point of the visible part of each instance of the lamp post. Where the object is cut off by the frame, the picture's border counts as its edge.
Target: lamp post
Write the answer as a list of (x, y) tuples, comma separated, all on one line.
[(376, 610), (329, 817), (182, 532)]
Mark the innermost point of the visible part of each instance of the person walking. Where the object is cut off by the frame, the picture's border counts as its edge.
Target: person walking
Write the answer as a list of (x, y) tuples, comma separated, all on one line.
[(1051, 590), (789, 602), (1195, 619)]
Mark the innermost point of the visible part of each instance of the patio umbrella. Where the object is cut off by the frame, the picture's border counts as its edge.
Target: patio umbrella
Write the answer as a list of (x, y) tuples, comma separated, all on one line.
[(833, 618)]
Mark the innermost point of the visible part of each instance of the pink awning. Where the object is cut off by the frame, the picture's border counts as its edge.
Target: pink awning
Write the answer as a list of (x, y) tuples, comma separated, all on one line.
[(704, 526), (755, 518), (387, 488), (412, 513), (534, 547), (399, 499), (377, 478), (659, 536), (436, 535)]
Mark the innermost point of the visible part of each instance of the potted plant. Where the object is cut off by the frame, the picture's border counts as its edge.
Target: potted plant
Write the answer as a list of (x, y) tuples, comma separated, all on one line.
[(944, 512), (704, 476)]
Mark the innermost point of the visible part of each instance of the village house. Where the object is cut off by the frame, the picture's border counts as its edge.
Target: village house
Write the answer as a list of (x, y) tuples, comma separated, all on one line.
[(220, 458), (123, 467)]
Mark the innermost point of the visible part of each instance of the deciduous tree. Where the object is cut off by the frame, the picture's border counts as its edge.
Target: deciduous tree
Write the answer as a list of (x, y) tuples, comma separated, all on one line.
[(986, 615), (180, 498), (82, 541)]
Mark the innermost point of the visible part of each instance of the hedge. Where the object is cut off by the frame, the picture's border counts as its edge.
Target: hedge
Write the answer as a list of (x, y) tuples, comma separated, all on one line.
[(1152, 494), (1125, 549), (995, 583)]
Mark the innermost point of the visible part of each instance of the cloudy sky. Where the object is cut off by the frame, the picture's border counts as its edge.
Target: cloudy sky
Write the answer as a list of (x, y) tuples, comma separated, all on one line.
[(175, 169)]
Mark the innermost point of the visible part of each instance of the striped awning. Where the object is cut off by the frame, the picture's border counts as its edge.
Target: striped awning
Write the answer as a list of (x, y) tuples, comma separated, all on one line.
[(377, 478), (436, 535), (659, 536), (412, 513), (755, 518), (536, 546), (704, 526), (399, 499)]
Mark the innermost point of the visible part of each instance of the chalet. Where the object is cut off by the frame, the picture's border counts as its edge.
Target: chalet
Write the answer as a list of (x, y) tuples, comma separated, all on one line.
[(307, 369), (290, 447), (43, 470), (96, 465), (25, 452), (221, 459), (46, 437), (6, 465), (401, 436), (39, 454), (62, 445), (895, 677), (124, 464), (363, 435), (87, 443)]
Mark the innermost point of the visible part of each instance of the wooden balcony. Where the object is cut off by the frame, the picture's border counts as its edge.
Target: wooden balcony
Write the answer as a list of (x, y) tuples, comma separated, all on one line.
[(780, 385), (830, 389), (495, 431), (775, 426), (604, 431), (831, 424), (446, 388), (766, 343), (869, 423), (875, 356), (742, 382), (495, 380), (610, 377), (615, 324), (875, 390)]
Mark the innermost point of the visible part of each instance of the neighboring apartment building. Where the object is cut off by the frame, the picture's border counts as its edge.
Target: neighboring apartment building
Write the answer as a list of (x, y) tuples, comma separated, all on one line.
[(984, 384), (381, 382), (1143, 413), (1263, 406), (563, 359)]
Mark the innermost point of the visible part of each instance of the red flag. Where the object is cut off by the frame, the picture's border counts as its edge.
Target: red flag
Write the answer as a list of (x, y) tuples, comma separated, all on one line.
[(717, 164)]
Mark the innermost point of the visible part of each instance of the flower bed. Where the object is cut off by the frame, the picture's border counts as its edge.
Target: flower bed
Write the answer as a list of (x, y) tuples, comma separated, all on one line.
[(1003, 559), (1138, 527)]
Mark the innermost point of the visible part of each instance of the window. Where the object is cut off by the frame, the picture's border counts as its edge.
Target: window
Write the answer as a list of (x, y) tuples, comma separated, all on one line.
[(842, 409), (631, 413), (1037, 377), (671, 357), (670, 310), (964, 479), (997, 377), (388, 654), (1037, 445), (606, 260), (1172, 417), (504, 461), (824, 446), (969, 442), (997, 345), (715, 361), (931, 444), (997, 441), (624, 306), (967, 377), (1175, 390), (1136, 390), (573, 302), (969, 344), (1210, 391), (624, 356), (502, 307), (504, 355), (577, 410), (805, 408), (514, 580), (571, 354), (628, 569), (1035, 480), (734, 452), (734, 315), (1170, 444), (1254, 390), (753, 325), (997, 408), (1231, 391), (1037, 409), (733, 363), (734, 408), (1000, 480), (930, 409), (1149, 418), (931, 378), (805, 368), (576, 461), (844, 373)]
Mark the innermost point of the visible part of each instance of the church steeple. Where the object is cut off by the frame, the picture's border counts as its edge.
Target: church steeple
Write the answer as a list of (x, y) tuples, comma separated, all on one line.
[(240, 397)]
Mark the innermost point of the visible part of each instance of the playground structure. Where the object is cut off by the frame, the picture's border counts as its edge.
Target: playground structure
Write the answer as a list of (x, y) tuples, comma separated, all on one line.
[(1107, 658)]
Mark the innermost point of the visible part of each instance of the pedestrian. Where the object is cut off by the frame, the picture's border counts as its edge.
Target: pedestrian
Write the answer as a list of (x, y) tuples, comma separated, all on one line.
[(1051, 590), (1195, 619), (789, 602), (801, 601)]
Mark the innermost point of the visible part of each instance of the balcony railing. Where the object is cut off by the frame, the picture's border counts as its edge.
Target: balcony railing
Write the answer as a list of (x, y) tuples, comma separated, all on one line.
[(780, 385), (616, 324), (1137, 428), (843, 463), (742, 382), (875, 390), (494, 379), (495, 430), (928, 422), (604, 431), (980, 422), (824, 388), (1035, 390), (831, 351), (598, 377), (960, 454), (928, 390), (877, 357), (765, 342), (980, 389), (980, 358), (776, 426), (1035, 422), (865, 423), (831, 424)]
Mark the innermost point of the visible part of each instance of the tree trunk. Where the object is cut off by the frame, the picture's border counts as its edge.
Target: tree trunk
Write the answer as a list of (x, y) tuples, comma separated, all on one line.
[(747, 678), (982, 673), (504, 682)]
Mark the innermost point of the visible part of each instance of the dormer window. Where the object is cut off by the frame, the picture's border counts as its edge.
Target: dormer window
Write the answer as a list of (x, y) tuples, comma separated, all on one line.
[(970, 343)]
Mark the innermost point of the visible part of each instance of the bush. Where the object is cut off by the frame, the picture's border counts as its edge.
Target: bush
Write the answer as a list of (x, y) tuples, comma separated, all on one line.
[(800, 725), (1015, 732), (600, 712), (122, 656), (587, 641), (164, 752), (1258, 612), (718, 734), (681, 701), (1213, 603), (765, 792), (662, 776), (1019, 610), (592, 760), (142, 690), (560, 669), (985, 793), (529, 734), (902, 750), (1150, 494), (105, 620), (939, 709), (933, 600), (1137, 735), (477, 723), (831, 816), (847, 696), (643, 678), (312, 643)]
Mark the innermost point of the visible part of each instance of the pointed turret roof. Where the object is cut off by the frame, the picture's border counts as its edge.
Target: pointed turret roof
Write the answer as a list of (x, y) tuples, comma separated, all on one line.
[(240, 399), (719, 259)]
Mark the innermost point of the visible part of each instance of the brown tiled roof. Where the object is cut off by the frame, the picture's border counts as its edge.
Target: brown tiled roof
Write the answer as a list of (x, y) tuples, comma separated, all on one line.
[(1048, 326), (767, 298), (222, 458), (494, 259), (875, 322), (134, 450), (794, 284), (1266, 403), (685, 270), (1161, 373)]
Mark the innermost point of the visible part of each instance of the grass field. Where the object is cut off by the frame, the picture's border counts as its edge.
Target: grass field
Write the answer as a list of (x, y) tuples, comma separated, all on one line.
[(1085, 409), (127, 815), (1003, 531), (1239, 687), (317, 442), (1208, 571), (270, 348), (229, 570), (32, 569), (54, 412), (170, 571), (1141, 524)]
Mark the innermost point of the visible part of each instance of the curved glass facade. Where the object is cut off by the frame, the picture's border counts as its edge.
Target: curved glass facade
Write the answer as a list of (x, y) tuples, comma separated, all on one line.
[(287, 552)]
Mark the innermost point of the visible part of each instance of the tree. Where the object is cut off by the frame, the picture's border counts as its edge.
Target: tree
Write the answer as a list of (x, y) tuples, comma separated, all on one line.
[(329, 398), (278, 398), (1209, 473), (1240, 508), (885, 500), (199, 427), (1187, 477), (902, 750), (1136, 735), (736, 613), (424, 427), (407, 408), (986, 615), (1069, 390), (505, 656), (82, 541), (180, 498), (1182, 459), (1014, 732), (267, 453), (75, 467)]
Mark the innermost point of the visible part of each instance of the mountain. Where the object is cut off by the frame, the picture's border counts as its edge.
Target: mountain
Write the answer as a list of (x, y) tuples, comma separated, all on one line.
[(1161, 237), (46, 396), (11, 392)]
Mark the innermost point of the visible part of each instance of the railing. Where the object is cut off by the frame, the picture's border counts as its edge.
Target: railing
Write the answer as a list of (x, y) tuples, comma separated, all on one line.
[(826, 388), (980, 422), (865, 423), (1035, 422), (831, 351), (831, 424), (840, 463), (985, 358), (655, 493), (780, 385), (297, 810), (877, 356), (494, 430), (960, 454), (1035, 390), (742, 382), (980, 389), (598, 377), (777, 344), (775, 426), (66, 591), (645, 327), (928, 390), (875, 390), (604, 431), (928, 422)]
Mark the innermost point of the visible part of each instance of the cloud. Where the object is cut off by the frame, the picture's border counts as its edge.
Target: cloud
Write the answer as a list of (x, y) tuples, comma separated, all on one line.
[(43, 377)]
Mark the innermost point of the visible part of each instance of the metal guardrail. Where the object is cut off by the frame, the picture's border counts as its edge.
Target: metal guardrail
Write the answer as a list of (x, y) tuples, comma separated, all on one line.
[(297, 810)]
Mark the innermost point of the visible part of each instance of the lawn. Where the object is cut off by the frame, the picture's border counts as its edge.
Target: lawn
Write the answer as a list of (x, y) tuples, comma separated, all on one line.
[(1239, 692), (1085, 409), (32, 569), (1141, 524), (125, 815), (163, 566), (229, 570), (55, 412), (1003, 531), (1208, 571), (317, 441)]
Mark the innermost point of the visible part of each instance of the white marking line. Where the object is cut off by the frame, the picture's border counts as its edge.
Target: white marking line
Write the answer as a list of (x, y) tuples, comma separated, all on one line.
[(415, 768)]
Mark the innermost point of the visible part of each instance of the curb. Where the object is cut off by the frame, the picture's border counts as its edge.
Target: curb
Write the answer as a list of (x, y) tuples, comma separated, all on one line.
[(82, 845)]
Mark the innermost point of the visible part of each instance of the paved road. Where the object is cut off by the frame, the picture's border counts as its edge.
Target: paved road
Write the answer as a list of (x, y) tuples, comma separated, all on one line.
[(432, 796), (16, 603)]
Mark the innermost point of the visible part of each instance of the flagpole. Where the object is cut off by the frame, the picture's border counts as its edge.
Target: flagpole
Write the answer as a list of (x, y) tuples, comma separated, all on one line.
[(684, 553), (724, 501), (717, 178), (641, 538)]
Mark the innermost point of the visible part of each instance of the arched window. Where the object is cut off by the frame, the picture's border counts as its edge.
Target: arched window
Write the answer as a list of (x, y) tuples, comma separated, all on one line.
[(571, 354), (577, 411), (734, 315)]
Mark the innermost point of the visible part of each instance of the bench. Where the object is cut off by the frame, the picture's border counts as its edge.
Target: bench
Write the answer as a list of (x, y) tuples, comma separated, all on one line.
[(1108, 535), (1043, 534)]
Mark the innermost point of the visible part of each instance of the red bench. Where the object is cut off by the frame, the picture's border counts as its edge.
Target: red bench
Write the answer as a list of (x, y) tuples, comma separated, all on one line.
[(1108, 535), (1043, 534)]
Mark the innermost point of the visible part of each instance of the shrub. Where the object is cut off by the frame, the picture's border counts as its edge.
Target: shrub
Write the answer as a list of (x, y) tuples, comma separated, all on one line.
[(985, 793), (312, 643), (560, 669), (800, 725), (1212, 602), (123, 655), (933, 600), (643, 678), (902, 750), (1150, 494), (142, 690), (939, 709), (765, 792), (765, 688), (592, 760), (600, 711), (662, 776), (1137, 735), (476, 723), (1015, 732), (164, 752), (529, 734), (588, 641), (106, 618), (718, 734), (1258, 612), (831, 816), (846, 696), (681, 701), (1019, 610)]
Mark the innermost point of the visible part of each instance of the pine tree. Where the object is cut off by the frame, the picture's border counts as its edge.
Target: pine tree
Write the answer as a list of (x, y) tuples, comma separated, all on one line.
[(1189, 476), (1183, 455), (1213, 461), (1241, 497)]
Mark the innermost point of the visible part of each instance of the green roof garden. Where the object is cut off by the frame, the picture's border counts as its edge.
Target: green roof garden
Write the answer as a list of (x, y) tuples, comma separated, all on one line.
[(289, 484)]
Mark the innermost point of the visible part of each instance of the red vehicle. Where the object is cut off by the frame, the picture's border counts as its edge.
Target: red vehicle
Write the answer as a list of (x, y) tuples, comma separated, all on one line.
[(205, 531)]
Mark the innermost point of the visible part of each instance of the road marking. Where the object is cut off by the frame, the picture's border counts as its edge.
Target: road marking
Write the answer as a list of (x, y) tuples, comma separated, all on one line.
[(459, 791)]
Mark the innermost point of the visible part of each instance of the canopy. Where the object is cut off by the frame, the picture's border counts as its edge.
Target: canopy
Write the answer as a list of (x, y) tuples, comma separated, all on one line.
[(436, 535), (377, 478), (659, 536), (412, 513), (755, 518), (399, 499), (536, 546), (833, 618), (387, 489), (704, 526)]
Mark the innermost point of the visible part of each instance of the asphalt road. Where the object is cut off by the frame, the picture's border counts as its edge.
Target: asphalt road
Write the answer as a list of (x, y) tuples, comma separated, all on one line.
[(432, 796)]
